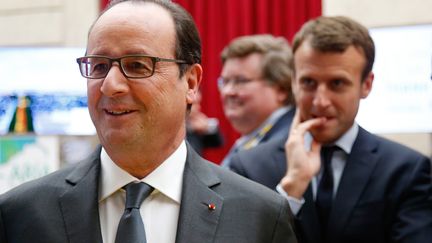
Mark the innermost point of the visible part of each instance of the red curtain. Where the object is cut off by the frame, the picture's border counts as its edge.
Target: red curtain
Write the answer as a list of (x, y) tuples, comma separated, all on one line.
[(103, 4), (219, 21)]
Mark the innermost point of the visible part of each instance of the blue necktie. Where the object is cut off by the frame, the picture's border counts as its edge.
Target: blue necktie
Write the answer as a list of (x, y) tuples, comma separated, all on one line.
[(131, 227), (324, 197)]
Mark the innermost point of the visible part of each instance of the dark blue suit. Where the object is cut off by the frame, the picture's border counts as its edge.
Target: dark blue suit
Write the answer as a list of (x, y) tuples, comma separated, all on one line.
[(280, 128), (278, 131), (384, 195)]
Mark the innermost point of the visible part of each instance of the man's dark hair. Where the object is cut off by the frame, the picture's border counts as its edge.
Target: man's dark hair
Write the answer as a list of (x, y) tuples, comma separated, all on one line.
[(336, 34), (187, 39)]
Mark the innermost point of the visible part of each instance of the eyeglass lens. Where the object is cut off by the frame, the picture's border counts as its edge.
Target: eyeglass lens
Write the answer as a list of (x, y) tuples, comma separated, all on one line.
[(133, 66), (223, 82)]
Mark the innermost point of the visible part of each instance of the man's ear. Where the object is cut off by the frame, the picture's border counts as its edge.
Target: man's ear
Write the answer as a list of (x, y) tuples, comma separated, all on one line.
[(193, 77), (366, 86)]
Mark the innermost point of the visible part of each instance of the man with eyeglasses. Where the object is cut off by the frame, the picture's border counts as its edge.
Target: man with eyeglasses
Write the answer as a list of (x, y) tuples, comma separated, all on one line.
[(144, 183), (255, 89)]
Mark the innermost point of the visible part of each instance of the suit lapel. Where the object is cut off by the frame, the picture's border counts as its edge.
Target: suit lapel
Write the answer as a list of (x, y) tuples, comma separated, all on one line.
[(279, 157), (360, 164), (79, 203), (281, 126), (197, 220)]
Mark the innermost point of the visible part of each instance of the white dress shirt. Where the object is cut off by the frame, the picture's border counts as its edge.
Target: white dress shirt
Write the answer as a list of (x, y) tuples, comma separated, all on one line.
[(338, 162), (159, 211)]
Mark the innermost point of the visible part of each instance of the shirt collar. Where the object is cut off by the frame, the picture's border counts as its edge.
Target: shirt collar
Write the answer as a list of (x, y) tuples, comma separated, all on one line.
[(167, 178), (347, 140)]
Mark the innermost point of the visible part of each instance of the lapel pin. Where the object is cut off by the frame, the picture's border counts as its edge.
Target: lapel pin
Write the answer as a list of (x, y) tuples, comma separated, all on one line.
[(210, 206)]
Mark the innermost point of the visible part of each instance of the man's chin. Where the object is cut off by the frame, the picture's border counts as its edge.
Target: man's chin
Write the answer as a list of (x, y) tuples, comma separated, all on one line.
[(116, 136), (234, 118), (322, 136)]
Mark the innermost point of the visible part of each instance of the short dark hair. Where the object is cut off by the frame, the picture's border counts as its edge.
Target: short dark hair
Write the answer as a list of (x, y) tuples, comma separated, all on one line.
[(187, 39), (276, 54), (336, 34)]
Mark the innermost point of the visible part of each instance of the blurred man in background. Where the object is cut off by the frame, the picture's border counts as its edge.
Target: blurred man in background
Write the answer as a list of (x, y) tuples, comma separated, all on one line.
[(255, 88)]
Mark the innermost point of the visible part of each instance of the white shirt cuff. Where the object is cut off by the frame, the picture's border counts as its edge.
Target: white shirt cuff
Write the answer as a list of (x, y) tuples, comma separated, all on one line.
[(294, 203)]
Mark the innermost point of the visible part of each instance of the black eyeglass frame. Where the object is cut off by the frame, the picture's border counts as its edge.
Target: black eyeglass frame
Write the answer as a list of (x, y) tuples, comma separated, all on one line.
[(154, 60)]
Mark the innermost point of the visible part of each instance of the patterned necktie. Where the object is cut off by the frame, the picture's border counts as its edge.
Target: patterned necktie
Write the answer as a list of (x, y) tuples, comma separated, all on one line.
[(324, 197), (131, 227)]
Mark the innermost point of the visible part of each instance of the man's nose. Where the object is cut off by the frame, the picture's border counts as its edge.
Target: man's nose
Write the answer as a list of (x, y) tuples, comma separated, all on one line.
[(228, 89), (115, 83), (322, 97)]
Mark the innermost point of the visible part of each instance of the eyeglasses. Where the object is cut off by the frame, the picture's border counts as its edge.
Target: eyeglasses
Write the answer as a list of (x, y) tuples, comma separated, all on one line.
[(235, 82), (132, 66)]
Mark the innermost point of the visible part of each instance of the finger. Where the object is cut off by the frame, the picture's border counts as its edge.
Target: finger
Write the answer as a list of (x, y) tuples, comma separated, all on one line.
[(307, 125), (315, 147), (295, 121), (293, 135), (314, 155)]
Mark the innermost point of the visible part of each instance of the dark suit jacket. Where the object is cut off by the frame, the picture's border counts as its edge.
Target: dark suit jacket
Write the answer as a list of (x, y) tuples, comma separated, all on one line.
[(199, 142), (280, 128), (63, 207), (384, 194)]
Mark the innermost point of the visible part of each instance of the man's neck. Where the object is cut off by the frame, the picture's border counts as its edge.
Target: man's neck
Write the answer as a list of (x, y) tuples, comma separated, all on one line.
[(140, 162)]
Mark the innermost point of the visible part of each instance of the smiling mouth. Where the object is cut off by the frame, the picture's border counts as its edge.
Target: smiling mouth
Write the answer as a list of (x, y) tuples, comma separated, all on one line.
[(117, 113)]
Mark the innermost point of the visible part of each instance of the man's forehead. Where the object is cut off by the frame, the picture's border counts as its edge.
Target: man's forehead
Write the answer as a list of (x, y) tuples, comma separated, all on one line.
[(144, 23), (145, 13)]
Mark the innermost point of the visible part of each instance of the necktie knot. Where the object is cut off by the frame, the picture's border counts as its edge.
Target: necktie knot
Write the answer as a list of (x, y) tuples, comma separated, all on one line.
[(327, 154), (131, 227), (136, 193)]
